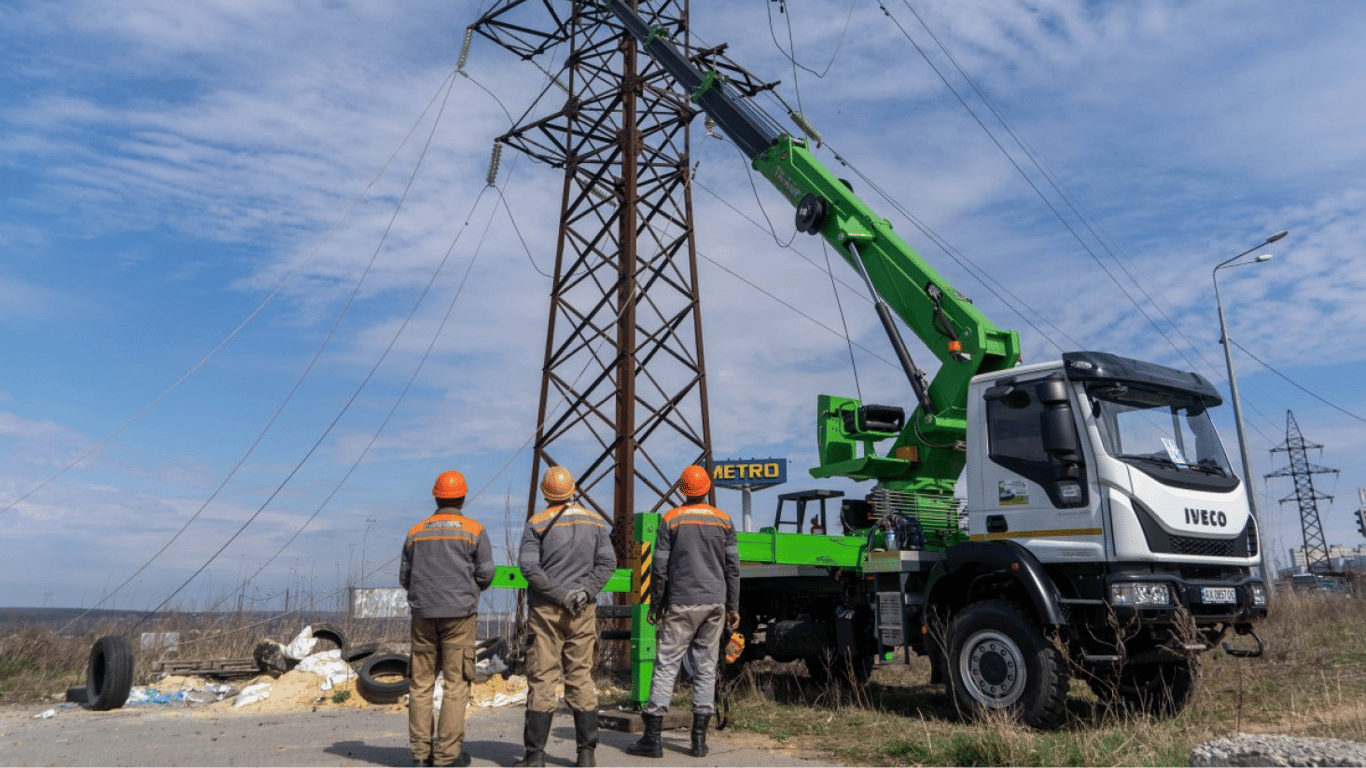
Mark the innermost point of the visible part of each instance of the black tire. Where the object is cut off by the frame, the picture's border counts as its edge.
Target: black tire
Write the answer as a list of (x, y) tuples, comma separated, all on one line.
[(799, 638), (359, 652), (376, 682), (328, 633), (1161, 690), (77, 694), (110, 675), (489, 647), (999, 661)]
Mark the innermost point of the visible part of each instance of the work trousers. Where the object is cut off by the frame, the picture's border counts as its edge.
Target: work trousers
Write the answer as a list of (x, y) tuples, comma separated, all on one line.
[(445, 645), (695, 630), (562, 641)]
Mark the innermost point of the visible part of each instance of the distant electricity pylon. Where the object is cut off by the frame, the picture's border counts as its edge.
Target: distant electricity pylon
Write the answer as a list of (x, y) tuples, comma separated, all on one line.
[(1315, 549)]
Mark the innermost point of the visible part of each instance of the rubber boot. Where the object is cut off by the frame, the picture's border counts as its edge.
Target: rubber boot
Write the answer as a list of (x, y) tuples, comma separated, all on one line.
[(699, 734), (534, 735), (586, 735), (649, 745)]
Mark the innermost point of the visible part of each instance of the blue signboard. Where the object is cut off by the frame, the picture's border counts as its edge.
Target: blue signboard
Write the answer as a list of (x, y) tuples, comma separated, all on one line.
[(752, 473)]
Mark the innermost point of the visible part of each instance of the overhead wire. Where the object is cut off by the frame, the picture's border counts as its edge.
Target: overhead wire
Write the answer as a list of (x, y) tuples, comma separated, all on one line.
[(447, 84), (374, 256), (1034, 186), (279, 287), (275, 416), (791, 54), (407, 386), (1087, 220), (1296, 384), (1054, 181)]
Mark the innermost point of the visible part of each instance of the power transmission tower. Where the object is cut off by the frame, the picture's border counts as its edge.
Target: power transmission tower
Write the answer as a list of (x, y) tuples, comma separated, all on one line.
[(1315, 549), (623, 348)]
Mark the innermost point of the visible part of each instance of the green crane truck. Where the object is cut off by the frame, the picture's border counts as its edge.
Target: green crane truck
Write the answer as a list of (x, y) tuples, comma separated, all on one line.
[(1104, 534)]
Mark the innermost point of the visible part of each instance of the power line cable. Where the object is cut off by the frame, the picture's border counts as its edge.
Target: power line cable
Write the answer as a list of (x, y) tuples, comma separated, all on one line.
[(279, 287), (374, 256), (1054, 181), (288, 398), (1296, 384), (792, 56)]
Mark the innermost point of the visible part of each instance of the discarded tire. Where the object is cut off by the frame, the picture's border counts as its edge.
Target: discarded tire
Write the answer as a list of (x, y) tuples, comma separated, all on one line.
[(329, 633), (110, 675), (77, 694), (384, 678), (359, 652), (490, 647)]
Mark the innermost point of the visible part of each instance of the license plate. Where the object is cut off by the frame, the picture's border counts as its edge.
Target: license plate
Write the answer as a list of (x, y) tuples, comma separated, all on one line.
[(1218, 595)]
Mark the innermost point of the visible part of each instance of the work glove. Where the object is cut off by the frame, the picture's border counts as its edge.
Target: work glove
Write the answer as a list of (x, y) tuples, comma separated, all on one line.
[(656, 610), (576, 600), (732, 619)]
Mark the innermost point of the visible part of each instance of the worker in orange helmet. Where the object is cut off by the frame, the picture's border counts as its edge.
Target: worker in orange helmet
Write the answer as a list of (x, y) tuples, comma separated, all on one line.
[(696, 561), (567, 557), (447, 563)]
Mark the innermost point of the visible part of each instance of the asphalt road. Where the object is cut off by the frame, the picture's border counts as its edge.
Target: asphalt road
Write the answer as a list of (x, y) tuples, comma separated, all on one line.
[(175, 735)]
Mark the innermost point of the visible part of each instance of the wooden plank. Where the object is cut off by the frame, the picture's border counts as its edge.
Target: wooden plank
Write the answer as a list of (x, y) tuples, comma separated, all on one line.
[(208, 667)]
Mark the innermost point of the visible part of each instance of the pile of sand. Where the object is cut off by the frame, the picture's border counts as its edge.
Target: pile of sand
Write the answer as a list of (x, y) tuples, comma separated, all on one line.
[(301, 691)]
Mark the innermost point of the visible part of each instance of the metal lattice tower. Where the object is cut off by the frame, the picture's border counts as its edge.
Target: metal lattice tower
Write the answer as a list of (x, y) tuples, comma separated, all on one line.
[(1315, 549), (624, 344)]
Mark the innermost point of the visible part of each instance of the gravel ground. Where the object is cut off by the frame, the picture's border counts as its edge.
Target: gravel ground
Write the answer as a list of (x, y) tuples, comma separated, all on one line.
[(1246, 749)]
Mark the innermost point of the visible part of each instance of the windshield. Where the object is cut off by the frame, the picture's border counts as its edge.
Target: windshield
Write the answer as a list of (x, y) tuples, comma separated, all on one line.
[(1165, 433)]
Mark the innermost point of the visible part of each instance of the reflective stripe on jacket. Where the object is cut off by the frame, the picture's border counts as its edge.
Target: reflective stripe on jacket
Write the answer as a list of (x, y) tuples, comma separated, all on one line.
[(447, 563), (565, 547), (696, 561)]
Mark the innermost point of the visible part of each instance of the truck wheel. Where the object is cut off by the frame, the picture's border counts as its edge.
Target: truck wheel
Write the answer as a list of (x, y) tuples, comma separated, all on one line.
[(110, 676), (999, 661), (1161, 690)]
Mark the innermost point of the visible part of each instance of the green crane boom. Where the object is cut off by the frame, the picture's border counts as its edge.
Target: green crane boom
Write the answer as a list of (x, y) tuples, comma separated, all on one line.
[(927, 455)]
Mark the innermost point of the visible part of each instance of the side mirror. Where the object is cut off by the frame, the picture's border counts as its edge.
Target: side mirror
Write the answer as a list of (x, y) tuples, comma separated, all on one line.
[(1056, 424)]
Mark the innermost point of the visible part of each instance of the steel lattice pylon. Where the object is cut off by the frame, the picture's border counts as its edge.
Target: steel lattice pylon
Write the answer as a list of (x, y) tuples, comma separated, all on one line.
[(624, 344), (1315, 548)]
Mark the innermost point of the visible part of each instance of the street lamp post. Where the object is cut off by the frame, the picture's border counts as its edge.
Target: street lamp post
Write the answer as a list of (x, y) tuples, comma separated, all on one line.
[(365, 540), (1233, 387)]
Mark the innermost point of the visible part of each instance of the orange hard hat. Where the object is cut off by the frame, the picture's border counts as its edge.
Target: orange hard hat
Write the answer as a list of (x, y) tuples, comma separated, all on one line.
[(694, 481), (557, 485), (449, 485)]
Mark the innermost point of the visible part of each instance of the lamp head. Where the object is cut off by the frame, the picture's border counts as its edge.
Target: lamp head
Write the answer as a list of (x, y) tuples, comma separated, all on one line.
[(1276, 237), (1265, 257)]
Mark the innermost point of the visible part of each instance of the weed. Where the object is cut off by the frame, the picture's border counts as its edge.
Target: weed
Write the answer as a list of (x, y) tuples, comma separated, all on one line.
[(1308, 682)]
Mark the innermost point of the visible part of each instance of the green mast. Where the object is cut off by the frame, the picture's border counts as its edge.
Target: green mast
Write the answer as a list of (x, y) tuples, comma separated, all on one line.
[(928, 452)]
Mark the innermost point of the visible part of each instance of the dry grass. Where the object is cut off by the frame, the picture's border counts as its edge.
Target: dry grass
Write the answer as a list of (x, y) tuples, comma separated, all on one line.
[(1311, 681), (41, 661)]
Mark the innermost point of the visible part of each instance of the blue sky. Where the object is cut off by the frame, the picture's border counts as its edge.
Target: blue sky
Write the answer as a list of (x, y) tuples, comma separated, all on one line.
[(169, 170)]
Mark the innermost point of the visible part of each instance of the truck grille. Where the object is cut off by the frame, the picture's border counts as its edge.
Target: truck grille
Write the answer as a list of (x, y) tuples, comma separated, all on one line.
[(1242, 545), (1187, 545)]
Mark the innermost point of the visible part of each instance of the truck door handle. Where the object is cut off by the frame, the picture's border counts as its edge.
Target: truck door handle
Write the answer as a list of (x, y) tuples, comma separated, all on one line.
[(997, 524)]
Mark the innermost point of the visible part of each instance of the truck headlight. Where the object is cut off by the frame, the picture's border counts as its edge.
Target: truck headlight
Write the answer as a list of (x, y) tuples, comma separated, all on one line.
[(1258, 592), (1140, 593)]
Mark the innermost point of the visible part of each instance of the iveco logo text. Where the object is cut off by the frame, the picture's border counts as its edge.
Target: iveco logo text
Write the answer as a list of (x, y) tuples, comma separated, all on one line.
[(1206, 517), (781, 178)]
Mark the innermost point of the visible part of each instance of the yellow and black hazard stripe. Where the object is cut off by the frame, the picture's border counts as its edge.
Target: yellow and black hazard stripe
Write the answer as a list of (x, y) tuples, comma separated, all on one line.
[(640, 579)]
